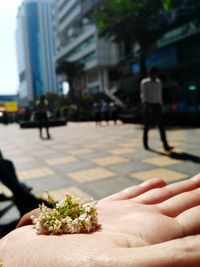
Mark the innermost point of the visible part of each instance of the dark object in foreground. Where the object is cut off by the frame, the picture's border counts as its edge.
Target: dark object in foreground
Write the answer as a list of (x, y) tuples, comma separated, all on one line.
[(22, 196), (4, 197)]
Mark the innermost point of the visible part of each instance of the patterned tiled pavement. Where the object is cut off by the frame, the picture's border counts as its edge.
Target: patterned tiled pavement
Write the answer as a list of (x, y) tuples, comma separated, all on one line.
[(92, 161)]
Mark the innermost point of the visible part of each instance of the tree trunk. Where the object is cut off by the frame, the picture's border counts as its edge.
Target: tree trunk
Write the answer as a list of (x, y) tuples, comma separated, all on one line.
[(143, 69)]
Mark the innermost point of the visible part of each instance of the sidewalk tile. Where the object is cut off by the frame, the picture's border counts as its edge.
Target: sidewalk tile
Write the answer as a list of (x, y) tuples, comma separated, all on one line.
[(34, 173), (61, 160), (80, 151), (109, 160), (23, 159), (162, 161), (98, 161), (168, 175), (104, 188), (5, 190), (122, 151), (129, 167), (190, 168), (90, 175), (95, 146)]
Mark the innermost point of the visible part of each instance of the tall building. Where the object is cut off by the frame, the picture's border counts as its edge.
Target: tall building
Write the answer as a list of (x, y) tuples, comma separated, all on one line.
[(77, 40), (35, 50)]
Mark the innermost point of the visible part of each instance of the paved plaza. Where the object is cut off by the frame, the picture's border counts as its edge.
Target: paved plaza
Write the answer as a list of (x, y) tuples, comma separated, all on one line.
[(90, 161)]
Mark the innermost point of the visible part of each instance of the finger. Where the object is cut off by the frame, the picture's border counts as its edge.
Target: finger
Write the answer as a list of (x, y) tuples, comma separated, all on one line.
[(136, 190), (158, 195), (183, 252), (26, 219), (189, 220), (180, 203)]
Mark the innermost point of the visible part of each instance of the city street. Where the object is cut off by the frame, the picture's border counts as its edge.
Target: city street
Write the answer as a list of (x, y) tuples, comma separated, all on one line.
[(90, 161)]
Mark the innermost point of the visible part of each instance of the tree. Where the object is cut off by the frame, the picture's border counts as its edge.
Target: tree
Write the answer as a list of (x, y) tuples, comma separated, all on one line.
[(183, 11), (135, 21), (71, 70)]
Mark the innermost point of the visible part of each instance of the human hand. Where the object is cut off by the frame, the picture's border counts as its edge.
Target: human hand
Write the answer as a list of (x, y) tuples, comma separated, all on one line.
[(144, 225)]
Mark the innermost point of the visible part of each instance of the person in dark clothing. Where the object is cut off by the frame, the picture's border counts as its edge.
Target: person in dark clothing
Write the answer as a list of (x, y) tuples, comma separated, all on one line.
[(151, 97), (105, 111), (114, 112), (42, 117), (22, 197), (97, 113)]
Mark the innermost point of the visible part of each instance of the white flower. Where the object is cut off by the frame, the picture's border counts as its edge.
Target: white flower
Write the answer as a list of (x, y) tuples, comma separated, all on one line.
[(67, 216)]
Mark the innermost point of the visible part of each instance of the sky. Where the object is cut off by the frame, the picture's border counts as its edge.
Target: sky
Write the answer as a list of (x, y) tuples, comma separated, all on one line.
[(8, 58)]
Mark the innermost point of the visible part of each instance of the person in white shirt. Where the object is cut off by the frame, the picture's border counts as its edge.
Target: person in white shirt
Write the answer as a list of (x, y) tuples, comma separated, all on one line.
[(151, 97)]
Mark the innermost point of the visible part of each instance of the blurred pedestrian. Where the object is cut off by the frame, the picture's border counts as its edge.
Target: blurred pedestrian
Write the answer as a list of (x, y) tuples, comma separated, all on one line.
[(151, 97), (113, 112), (27, 113), (97, 113), (5, 118), (42, 116), (105, 111)]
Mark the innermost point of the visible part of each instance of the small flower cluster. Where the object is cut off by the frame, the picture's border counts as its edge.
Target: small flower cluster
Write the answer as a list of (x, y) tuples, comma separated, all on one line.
[(67, 217)]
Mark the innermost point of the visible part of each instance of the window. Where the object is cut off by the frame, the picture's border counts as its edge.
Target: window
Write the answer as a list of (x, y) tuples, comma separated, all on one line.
[(81, 46)]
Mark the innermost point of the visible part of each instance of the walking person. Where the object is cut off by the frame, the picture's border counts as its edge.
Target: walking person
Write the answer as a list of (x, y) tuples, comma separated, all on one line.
[(105, 111), (114, 112), (151, 97), (97, 113), (42, 117)]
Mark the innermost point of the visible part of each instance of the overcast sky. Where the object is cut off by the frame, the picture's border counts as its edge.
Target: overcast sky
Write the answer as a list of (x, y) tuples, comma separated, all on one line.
[(8, 61)]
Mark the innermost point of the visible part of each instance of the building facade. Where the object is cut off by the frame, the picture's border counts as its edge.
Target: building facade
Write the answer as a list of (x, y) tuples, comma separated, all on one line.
[(76, 40), (177, 56), (180, 66), (35, 50)]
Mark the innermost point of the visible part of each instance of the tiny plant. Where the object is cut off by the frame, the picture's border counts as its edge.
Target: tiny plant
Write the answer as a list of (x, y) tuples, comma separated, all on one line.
[(69, 216)]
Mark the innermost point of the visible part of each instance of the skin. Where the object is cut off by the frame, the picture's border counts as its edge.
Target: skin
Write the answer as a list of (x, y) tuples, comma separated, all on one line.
[(152, 224)]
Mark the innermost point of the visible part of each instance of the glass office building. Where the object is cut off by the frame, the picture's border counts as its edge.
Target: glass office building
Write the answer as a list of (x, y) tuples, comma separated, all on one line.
[(77, 40), (35, 50)]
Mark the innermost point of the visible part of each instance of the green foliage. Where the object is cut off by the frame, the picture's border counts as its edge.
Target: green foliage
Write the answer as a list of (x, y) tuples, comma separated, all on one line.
[(71, 70), (134, 110), (136, 21), (183, 11), (87, 101), (53, 100), (141, 21), (68, 111), (167, 5), (114, 14)]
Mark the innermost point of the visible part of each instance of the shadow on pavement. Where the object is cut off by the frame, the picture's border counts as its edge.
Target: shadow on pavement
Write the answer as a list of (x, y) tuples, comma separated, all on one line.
[(179, 156)]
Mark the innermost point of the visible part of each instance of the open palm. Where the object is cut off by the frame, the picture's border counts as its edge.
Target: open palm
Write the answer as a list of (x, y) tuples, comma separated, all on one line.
[(136, 218), (154, 212)]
